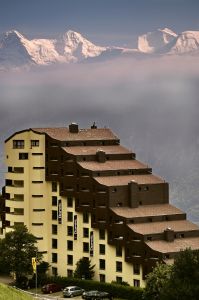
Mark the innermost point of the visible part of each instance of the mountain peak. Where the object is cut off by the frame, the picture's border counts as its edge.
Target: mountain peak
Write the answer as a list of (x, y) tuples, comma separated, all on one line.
[(153, 42), (13, 34)]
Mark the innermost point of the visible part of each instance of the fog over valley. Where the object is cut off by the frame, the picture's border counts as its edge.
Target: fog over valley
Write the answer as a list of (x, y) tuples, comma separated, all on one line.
[(152, 104)]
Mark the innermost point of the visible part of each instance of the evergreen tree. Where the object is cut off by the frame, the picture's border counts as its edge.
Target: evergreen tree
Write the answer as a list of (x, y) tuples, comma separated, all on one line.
[(84, 270)]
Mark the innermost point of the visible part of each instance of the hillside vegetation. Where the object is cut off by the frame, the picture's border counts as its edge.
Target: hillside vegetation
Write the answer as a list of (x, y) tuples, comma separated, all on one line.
[(10, 293)]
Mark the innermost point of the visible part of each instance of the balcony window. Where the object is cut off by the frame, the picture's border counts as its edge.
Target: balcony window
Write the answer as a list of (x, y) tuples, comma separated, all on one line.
[(54, 257), (54, 201), (102, 234), (118, 251), (18, 197), (102, 278), (70, 245), (69, 216), (101, 249), (54, 215), (19, 211), (54, 229), (70, 202), (54, 186), (18, 183), (54, 243), (34, 143), (136, 283), (118, 266), (102, 264), (23, 156), (18, 144), (86, 247), (85, 217), (85, 232), (136, 269), (69, 273), (18, 170), (69, 230), (69, 259)]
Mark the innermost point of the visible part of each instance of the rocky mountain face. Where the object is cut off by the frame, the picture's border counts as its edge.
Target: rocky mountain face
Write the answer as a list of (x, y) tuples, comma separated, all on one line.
[(18, 51)]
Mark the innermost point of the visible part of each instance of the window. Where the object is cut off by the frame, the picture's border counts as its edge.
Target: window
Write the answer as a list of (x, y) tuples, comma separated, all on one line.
[(119, 279), (54, 215), (70, 202), (54, 229), (69, 216), (9, 169), (18, 183), (54, 186), (102, 278), (118, 266), (136, 269), (37, 181), (69, 273), (86, 247), (136, 283), (19, 211), (118, 250), (54, 201), (69, 259), (37, 196), (70, 245), (18, 170), (54, 243), (18, 144), (101, 249), (38, 168), (85, 217), (23, 156), (102, 264), (85, 232), (54, 257), (37, 154), (54, 271), (102, 234), (70, 230), (34, 143)]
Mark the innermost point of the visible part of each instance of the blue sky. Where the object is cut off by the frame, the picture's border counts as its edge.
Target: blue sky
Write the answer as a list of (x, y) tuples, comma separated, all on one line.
[(101, 20)]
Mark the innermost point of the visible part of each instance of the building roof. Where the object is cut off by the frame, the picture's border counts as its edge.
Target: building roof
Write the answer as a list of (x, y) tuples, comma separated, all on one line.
[(175, 246), (125, 179), (159, 227), (91, 150), (147, 211), (112, 165), (63, 134)]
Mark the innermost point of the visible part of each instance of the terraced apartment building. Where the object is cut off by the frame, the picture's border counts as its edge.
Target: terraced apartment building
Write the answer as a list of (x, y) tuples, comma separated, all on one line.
[(82, 194)]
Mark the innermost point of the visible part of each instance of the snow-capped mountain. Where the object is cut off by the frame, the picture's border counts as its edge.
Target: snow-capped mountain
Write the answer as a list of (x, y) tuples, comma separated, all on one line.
[(186, 42), (17, 51), (155, 42)]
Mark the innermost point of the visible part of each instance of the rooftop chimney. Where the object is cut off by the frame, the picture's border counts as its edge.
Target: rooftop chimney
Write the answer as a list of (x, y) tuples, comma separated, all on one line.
[(101, 156), (73, 128), (94, 126)]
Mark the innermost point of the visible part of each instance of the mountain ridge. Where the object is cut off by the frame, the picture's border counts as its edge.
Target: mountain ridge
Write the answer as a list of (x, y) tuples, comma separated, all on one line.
[(17, 51)]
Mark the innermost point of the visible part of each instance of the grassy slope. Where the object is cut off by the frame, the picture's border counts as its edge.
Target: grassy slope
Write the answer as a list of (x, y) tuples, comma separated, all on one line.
[(9, 293)]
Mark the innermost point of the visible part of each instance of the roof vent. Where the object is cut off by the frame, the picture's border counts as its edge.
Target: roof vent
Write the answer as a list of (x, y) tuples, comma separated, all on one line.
[(73, 128), (94, 126)]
